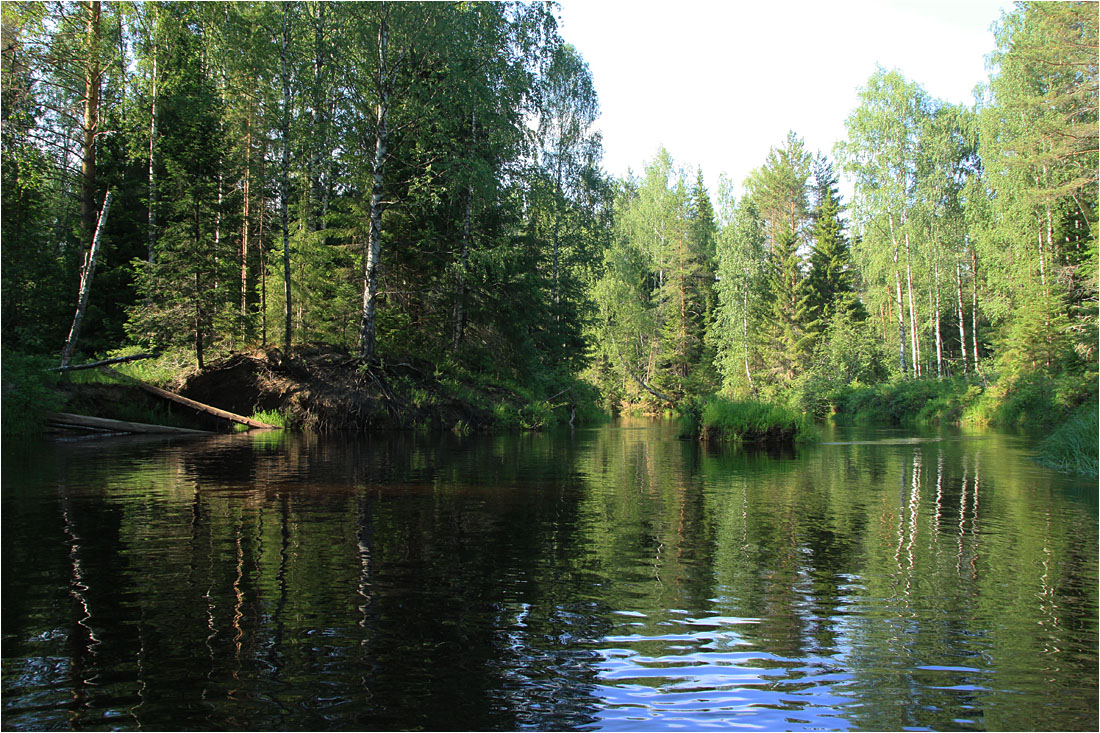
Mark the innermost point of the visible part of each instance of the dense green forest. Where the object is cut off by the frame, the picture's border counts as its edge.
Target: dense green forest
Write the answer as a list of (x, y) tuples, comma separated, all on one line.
[(423, 181)]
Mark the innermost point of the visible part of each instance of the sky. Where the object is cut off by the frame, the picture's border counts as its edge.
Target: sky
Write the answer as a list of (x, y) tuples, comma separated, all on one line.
[(720, 82)]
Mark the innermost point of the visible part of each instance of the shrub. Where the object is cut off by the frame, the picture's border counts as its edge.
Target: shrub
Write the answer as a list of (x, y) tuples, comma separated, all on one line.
[(29, 392), (1073, 447), (753, 422)]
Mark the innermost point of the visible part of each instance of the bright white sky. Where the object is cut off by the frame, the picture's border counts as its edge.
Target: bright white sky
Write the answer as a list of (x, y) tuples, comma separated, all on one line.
[(719, 82)]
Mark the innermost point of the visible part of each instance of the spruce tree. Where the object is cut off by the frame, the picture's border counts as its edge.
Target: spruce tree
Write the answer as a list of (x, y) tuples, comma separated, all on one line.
[(790, 343), (829, 282)]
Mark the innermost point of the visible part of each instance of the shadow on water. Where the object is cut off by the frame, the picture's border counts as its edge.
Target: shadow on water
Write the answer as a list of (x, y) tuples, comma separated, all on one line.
[(611, 578)]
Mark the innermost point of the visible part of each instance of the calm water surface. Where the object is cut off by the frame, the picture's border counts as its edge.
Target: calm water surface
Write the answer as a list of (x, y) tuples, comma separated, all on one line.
[(613, 578)]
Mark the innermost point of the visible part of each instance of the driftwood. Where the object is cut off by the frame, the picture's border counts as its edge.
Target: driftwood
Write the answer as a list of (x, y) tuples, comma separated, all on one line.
[(200, 407), (67, 420), (104, 362)]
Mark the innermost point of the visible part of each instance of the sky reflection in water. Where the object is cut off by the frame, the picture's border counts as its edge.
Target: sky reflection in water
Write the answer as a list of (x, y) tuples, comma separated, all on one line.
[(612, 578)]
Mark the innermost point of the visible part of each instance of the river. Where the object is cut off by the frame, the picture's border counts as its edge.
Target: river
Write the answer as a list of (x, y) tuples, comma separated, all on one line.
[(611, 578)]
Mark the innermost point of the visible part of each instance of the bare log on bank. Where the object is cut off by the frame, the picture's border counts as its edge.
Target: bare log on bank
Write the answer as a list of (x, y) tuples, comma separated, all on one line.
[(105, 362), (194, 405), (68, 420)]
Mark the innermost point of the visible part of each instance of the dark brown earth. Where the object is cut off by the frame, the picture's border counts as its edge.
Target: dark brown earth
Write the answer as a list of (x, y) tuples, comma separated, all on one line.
[(321, 389), (314, 388)]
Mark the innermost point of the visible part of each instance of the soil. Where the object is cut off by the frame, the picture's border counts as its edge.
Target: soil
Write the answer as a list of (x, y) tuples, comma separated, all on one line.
[(319, 388)]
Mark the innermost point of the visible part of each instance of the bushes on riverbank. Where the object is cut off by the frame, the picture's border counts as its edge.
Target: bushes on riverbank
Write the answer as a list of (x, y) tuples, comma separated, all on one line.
[(29, 392), (1075, 446), (1036, 401), (746, 421), (905, 402)]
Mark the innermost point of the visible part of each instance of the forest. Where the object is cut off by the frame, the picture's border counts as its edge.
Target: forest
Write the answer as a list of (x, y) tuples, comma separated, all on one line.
[(422, 182)]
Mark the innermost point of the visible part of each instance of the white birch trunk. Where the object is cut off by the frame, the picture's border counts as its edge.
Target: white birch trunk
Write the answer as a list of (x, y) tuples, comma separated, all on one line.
[(374, 242), (915, 349), (962, 324), (974, 304), (152, 227), (899, 304), (86, 274)]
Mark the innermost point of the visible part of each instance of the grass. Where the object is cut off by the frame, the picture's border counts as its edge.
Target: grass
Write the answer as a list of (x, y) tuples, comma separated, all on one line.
[(1031, 402), (160, 371), (1073, 447), (271, 417), (748, 422)]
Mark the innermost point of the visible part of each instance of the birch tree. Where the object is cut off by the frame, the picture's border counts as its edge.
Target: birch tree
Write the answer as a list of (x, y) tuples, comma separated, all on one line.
[(880, 154)]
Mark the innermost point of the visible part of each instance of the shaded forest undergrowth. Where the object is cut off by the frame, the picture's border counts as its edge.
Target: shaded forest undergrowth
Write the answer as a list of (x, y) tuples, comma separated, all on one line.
[(312, 388)]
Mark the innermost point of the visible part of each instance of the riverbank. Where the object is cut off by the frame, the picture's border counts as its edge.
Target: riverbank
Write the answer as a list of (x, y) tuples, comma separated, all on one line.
[(312, 388), (1029, 403), (1060, 411)]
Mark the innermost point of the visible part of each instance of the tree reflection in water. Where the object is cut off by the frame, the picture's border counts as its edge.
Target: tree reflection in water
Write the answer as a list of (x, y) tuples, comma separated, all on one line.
[(608, 578)]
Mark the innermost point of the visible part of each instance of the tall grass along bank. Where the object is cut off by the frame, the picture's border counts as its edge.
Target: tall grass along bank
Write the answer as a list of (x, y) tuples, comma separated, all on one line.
[(1075, 446), (747, 422)]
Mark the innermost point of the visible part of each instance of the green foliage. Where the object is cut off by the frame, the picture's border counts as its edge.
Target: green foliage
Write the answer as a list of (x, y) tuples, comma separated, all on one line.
[(504, 252), (753, 422), (901, 402), (271, 417), (654, 293), (161, 371), (29, 392), (1032, 402), (829, 281), (1073, 446), (847, 354)]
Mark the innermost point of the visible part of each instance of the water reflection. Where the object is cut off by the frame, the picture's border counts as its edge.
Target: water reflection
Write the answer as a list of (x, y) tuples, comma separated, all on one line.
[(613, 578)]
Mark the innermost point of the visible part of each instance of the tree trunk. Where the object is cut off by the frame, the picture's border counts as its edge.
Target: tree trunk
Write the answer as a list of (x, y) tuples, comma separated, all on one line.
[(683, 309), (556, 296), (374, 243), (915, 356), (374, 240), (85, 284), (247, 186), (974, 304), (939, 334), (152, 226), (284, 182), (319, 139), (199, 323), (218, 219), (962, 324), (745, 340), (1042, 264), (92, 83), (460, 296), (898, 303), (261, 210)]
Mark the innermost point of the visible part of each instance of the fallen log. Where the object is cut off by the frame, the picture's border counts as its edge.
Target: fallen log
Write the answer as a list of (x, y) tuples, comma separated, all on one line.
[(200, 407), (105, 362), (68, 420)]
